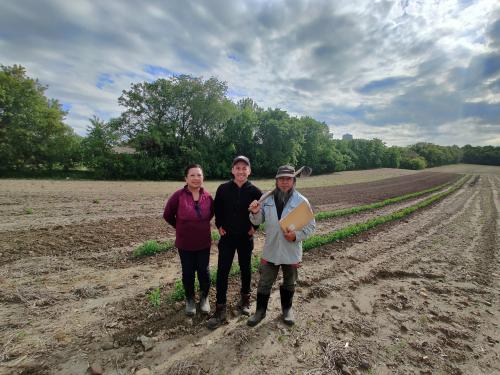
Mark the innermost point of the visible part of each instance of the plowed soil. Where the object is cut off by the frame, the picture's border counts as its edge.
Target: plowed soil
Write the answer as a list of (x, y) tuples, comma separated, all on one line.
[(419, 296)]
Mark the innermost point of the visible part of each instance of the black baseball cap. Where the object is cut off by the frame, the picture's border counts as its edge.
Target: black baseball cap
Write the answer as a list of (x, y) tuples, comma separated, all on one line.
[(242, 158)]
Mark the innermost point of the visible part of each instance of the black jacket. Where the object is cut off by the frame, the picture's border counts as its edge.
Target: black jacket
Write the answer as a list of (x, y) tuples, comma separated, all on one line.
[(231, 206)]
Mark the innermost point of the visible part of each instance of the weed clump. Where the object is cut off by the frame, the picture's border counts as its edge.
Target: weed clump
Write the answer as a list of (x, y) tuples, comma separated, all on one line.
[(152, 247), (154, 297)]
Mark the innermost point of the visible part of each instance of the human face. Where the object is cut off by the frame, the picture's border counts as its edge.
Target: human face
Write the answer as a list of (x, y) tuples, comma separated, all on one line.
[(240, 171), (194, 178), (285, 183)]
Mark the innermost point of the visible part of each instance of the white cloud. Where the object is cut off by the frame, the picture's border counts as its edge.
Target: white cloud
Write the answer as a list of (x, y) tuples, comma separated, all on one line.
[(401, 71)]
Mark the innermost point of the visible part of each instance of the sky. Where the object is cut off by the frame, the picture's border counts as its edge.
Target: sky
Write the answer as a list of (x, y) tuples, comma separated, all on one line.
[(401, 71)]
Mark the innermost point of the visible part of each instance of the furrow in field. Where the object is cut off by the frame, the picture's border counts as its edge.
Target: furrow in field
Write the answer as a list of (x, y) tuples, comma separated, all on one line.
[(349, 271), (95, 286)]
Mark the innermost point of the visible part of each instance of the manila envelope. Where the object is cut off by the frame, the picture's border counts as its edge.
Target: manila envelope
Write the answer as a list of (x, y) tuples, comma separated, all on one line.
[(297, 218)]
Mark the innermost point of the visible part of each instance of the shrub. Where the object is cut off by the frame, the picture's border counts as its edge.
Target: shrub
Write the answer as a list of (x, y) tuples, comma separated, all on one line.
[(415, 163)]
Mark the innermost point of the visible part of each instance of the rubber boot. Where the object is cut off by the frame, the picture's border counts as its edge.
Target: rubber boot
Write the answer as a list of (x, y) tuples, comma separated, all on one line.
[(244, 304), (286, 306), (204, 303), (219, 318), (190, 306), (260, 312)]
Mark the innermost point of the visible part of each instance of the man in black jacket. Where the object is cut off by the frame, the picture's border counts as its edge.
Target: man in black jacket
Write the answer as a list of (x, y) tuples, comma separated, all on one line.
[(232, 200)]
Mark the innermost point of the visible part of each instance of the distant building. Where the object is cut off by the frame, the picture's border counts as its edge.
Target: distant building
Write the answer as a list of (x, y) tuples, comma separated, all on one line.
[(347, 137), (124, 150)]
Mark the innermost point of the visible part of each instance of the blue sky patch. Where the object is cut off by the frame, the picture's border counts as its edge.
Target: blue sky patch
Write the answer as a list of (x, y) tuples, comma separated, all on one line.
[(159, 71), (382, 84), (104, 80), (66, 107)]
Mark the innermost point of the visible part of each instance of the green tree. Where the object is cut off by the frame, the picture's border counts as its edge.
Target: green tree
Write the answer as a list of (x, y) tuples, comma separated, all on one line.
[(364, 153), (488, 155), (32, 132), (180, 119), (318, 150), (392, 157), (97, 147), (238, 137), (436, 155), (279, 141)]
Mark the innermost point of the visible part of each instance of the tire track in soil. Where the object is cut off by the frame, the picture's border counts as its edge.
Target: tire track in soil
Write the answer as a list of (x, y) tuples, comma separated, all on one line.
[(375, 280), (485, 259)]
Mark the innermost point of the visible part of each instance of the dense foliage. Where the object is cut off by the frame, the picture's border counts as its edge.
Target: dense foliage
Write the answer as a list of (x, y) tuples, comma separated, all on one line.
[(169, 123), (32, 133), (488, 155)]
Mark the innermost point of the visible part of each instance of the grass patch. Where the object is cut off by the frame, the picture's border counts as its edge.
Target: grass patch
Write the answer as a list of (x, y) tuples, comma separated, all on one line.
[(154, 297), (215, 235), (152, 247)]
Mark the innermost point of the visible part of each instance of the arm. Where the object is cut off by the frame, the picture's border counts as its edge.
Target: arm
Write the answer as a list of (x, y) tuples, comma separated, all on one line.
[(212, 209), (257, 196), (256, 215), (219, 210), (170, 212)]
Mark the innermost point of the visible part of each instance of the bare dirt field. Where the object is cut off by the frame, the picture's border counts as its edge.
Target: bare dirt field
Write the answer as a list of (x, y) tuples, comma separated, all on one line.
[(419, 296)]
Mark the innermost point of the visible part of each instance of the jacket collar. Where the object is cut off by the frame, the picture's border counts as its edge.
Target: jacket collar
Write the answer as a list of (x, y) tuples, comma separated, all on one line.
[(189, 191), (244, 185)]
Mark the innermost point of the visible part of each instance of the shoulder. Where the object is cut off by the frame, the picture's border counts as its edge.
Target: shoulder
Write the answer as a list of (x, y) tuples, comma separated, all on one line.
[(269, 201), (224, 186), (177, 194), (206, 193), (299, 197), (175, 197), (250, 186)]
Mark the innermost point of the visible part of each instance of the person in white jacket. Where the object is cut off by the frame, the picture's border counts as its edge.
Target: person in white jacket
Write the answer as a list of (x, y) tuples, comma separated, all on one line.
[(282, 249)]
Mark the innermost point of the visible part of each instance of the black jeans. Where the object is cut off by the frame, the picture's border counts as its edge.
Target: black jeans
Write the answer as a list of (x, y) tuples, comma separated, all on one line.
[(195, 262), (228, 245)]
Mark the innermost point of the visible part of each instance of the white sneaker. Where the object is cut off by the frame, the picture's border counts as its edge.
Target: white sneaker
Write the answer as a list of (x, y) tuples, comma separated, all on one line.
[(204, 305)]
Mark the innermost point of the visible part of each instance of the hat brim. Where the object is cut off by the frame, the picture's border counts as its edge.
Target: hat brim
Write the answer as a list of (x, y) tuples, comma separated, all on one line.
[(285, 175), (236, 161)]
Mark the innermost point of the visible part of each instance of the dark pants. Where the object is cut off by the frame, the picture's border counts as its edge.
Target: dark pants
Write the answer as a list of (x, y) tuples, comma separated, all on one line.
[(269, 273), (195, 262), (228, 245)]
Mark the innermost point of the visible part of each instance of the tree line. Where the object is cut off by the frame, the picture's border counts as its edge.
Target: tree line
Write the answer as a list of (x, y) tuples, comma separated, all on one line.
[(169, 123)]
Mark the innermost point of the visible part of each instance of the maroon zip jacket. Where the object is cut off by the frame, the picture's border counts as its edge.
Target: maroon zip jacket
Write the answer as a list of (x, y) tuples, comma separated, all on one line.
[(190, 219)]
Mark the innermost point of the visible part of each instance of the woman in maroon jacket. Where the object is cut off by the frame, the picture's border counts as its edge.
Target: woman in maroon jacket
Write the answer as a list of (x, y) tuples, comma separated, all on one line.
[(189, 210)]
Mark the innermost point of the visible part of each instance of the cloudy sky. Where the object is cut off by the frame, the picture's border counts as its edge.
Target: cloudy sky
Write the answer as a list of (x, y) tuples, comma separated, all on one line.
[(403, 71)]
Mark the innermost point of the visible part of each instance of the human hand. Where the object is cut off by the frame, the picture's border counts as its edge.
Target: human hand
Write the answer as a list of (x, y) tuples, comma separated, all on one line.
[(290, 235), (251, 231), (254, 207), (222, 232)]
